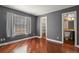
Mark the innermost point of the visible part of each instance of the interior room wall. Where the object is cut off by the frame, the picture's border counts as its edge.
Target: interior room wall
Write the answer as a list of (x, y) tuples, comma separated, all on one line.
[(3, 19), (54, 23)]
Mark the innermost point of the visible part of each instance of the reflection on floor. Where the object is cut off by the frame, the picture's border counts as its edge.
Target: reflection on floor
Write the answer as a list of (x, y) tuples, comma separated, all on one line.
[(69, 41), (33, 46), (61, 48), (21, 49)]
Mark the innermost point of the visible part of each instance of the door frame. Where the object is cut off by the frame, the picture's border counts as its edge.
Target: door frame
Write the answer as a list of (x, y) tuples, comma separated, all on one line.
[(41, 25), (75, 25)]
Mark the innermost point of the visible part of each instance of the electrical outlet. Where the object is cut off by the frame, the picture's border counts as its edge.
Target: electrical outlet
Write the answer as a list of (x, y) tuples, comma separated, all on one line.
[(57, 37), (1, 39)]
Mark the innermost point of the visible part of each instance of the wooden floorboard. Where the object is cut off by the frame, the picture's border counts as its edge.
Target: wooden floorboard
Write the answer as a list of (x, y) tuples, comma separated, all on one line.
[(35, 46)]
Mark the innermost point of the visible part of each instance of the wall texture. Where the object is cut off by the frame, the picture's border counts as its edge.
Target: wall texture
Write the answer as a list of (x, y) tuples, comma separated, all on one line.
[(54, 23), (3, 19)]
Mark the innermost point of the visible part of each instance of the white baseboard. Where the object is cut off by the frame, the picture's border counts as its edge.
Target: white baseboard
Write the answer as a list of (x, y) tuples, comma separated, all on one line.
[(33, 37), (52, 40), (6, 43), (77, 46), (55, 41)]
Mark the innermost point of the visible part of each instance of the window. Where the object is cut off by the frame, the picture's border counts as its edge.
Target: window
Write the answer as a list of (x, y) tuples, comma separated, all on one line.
[(18, 25)]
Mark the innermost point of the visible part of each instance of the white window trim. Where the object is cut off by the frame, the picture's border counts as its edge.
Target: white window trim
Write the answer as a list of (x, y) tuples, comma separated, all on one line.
[(11, 32)]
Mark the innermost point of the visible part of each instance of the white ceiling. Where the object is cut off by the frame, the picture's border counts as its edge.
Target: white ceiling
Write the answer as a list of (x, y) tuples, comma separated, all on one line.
[(38, 9)]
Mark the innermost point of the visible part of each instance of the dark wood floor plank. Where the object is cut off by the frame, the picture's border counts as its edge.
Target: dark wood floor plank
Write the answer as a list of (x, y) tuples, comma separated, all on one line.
[(40, 45)]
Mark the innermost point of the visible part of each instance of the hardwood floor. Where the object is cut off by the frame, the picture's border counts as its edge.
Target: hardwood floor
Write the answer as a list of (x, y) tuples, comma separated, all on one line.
[(61, 48), (36, 45), (9, 48), (71, 42)]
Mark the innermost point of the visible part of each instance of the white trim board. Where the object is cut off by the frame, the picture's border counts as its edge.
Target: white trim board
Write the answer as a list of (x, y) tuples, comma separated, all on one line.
[(60, 42), (6, 43), (52, 40), (77, 46), (41, 20), (33, 37), (75, 26), (55, 41)]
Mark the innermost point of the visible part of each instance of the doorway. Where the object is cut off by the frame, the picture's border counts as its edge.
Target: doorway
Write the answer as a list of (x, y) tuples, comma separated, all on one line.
[(43, 26), (69, 28), (43, 33)]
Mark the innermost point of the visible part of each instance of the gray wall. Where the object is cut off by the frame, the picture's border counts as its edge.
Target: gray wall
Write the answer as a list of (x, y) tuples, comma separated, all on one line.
[(3, 19), (54, 23)]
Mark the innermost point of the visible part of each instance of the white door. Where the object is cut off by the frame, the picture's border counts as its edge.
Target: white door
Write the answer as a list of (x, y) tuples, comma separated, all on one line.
[(43, 26)]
